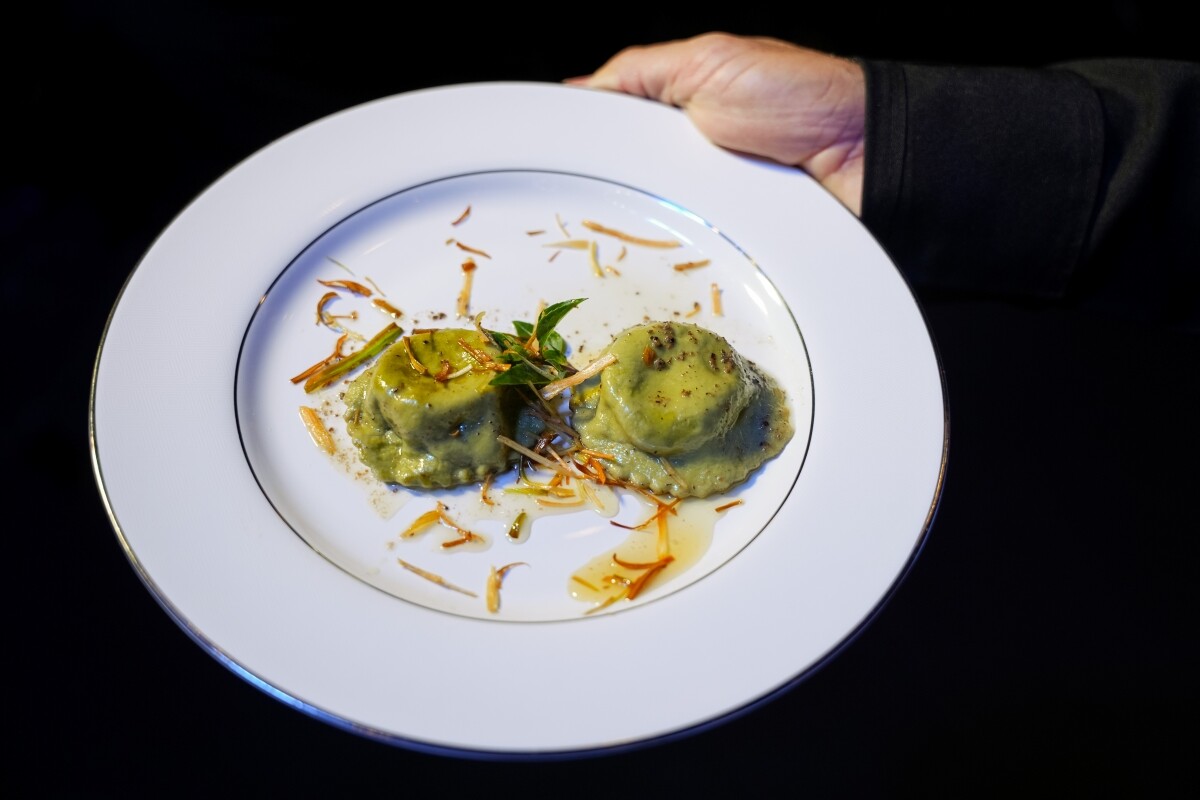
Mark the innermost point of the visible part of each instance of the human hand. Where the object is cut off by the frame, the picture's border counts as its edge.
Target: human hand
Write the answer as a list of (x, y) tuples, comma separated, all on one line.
[(757, 95)]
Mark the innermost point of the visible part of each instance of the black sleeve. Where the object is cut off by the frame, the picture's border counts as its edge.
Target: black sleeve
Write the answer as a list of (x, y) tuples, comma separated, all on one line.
[(1075, 183)]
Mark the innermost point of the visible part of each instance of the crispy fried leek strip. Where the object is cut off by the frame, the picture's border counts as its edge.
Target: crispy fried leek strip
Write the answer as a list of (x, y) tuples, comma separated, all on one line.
[(641, 581), (685, 266), (494, 581), (322, 315), (426, 520), (374, 347), (438, 579), (659, 514), (594, 259), (514, 530), (532, 456), (625, 237), (417, 366), (468, 249), (555, 388), (464, 535), (318, 432), (336, 355), (584, 583), (350, 286), (464, 294), (438, 516), (482, 358), (387, 308)]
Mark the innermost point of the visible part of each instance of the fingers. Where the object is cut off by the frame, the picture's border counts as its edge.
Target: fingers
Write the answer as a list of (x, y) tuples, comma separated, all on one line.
[(652, 71)]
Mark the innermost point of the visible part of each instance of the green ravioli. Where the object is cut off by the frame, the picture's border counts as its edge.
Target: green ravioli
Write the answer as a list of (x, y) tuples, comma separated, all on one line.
[(415, 430), (680, 411)]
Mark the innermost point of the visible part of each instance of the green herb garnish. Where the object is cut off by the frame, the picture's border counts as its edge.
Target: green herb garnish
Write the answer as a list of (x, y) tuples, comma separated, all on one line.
[(536, 353)]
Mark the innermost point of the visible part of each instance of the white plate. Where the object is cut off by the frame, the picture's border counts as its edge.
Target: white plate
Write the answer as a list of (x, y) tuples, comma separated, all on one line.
[(283, 563)]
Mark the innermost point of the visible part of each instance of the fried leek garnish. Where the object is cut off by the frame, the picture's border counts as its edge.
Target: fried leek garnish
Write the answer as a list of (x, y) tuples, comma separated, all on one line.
[(686, 265), (438, 516), (434, 578), (716, 300), (468, 249), (332, 371), (319, 433), (331, 320), (641, 581), (387, 308), (417, 366), (336, 355), (514, 530), (625, 237), (350, 286), (728, 506), (591, 465), (556, 388), (663, 508), (532, 456), (322, 315), (462, 217), (584, 583), (463, 305), (482, 358), (494, 581), (594, 259), (426, 520)]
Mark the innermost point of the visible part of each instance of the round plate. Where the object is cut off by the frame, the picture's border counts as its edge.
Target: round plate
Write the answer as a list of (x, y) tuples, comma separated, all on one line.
[(287, 563)]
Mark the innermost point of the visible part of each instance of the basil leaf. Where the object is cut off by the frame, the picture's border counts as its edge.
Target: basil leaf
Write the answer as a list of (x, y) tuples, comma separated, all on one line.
[(552, 315)]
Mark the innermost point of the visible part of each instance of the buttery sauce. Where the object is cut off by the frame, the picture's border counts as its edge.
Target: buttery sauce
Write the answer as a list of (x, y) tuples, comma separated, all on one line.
[(607, 578)]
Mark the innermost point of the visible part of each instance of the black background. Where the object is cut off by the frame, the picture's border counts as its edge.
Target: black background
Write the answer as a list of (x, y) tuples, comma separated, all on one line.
[(1044, 640)]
